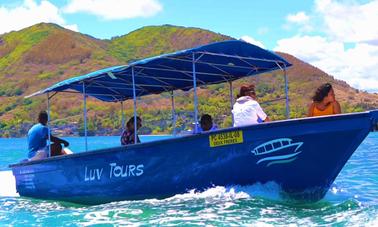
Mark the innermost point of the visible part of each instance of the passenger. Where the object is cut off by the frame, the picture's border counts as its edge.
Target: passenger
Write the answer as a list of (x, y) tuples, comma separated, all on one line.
[(128, 134), (207, 124), (37, 137), (324, 102), (246, 110)]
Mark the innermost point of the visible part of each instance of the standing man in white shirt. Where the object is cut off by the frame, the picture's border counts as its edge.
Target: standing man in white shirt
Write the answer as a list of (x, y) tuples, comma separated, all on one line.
[(246, 110)]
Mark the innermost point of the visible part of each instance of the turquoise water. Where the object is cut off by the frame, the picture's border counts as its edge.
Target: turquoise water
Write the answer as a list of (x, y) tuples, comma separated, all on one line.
[(351, 201)]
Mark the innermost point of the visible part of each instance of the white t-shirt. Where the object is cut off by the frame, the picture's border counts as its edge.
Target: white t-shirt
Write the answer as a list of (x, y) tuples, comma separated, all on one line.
[(247, 111)]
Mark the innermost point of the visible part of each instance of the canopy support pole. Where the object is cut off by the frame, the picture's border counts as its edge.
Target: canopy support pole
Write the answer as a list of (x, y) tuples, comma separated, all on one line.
[(231, 101), (173, 113), (287, 94), (85, 118), (122, 118), (195, 95), (135, 106), (48, 123)]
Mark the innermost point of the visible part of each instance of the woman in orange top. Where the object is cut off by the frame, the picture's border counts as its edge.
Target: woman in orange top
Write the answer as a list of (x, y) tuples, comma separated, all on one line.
[(324, 102)]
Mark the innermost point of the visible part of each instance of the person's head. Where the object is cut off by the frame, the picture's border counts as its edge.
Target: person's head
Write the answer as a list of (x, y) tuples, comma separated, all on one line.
[(130, 123), (247, 90), (43, 117), (206, 122), (324, 94)]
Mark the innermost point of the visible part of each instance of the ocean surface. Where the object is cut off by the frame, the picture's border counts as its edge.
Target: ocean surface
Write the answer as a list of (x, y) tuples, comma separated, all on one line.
[(351, 201)]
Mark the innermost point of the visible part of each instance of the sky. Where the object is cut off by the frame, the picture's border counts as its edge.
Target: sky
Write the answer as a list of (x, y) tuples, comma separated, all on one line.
[(338, 36)]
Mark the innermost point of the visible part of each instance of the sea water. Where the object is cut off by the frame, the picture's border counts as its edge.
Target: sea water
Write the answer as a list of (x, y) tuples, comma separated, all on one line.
[(351, 201)]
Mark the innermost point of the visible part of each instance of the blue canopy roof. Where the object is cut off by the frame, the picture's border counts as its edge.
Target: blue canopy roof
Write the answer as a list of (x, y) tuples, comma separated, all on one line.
[(214, 63)]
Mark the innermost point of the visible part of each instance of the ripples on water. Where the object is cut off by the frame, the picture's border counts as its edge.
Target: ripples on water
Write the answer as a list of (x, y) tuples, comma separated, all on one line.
[(216, 206), (352, 201)]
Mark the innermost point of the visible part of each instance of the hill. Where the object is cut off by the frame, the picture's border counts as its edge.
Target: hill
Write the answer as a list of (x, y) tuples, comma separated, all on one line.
[(40, 55)]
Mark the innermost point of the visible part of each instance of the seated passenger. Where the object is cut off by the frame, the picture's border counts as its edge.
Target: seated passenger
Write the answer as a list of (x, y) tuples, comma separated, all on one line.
[(324, 102), (207, 124), (37, 137), (128, 134), (246, 110)]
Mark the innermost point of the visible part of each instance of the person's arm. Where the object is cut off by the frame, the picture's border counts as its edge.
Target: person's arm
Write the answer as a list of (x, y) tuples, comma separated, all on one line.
[(336, 107), (124, 138), (58, 140), (311, 110), (261, 114)]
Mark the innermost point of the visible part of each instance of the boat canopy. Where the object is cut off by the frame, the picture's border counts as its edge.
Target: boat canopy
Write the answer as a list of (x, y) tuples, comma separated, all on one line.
[(209, 64)]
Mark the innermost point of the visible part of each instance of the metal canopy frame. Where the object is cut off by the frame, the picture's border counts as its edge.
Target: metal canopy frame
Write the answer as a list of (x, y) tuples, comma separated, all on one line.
[(220, 72), (48, 122), (141, 89)]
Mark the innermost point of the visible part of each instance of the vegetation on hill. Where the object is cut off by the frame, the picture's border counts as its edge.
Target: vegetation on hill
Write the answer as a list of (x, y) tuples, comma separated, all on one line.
[(41, 55), (156, 40)]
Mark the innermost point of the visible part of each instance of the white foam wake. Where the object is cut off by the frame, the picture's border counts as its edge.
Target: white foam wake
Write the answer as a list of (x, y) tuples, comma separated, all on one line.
[(269, 190), (8, 184)]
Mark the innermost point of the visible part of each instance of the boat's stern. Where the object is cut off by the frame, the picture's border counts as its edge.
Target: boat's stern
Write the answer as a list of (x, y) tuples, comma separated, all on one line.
[(26, 177), (23, 178)]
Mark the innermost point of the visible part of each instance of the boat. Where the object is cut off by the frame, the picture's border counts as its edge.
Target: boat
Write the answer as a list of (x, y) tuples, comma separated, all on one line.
[(303, 156)]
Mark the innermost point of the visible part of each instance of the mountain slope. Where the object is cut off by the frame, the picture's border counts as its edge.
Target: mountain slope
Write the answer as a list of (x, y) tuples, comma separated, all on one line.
[(156, 40), (38, 56), (47, 53)]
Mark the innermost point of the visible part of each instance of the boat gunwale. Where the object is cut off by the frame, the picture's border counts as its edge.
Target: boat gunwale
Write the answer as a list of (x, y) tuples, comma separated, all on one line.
[(178, 138)]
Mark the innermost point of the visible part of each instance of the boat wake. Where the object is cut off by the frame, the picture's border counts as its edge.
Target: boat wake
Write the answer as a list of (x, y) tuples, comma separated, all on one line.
[(8, 184), (270, 190)]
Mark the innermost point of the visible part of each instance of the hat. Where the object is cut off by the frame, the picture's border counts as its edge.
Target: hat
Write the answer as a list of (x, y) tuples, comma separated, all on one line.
[(246, 89)]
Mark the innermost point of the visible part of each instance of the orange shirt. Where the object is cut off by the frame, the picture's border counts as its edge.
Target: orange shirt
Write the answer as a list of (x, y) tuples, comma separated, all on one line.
[(327, 111)]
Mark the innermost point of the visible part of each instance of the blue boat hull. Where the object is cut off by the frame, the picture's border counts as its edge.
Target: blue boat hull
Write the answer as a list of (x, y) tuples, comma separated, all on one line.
[(223, 158)]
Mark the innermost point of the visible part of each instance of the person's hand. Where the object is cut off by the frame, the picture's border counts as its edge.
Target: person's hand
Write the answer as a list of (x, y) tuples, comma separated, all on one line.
[(65, 143)]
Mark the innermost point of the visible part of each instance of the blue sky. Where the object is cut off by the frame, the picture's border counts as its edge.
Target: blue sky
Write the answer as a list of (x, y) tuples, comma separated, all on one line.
[(338, 36), (243, 17), (257, 19)]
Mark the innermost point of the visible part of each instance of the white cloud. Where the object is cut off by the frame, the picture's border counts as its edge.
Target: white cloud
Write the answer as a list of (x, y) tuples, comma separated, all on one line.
[(30, 13), (347, 21), (346, 40), (253, 41), (300, 21), (299, 18), (115, 9), (357, 66)]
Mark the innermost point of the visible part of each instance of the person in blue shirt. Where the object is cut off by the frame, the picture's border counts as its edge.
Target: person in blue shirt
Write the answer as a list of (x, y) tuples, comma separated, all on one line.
[(206, 123), (37, 140)]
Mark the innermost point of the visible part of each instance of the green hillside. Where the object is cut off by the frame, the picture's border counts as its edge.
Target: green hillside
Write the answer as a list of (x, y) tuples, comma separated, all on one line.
[(156, 40), (39, 56)]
